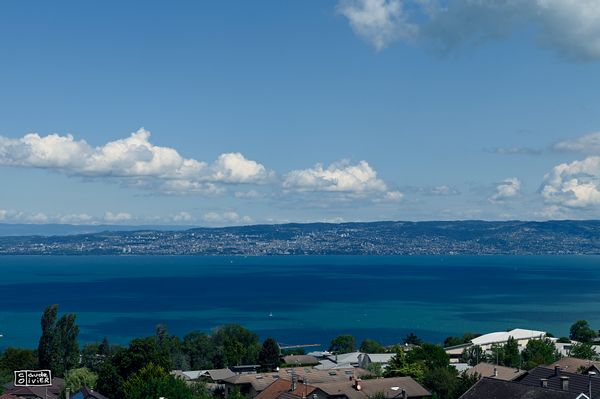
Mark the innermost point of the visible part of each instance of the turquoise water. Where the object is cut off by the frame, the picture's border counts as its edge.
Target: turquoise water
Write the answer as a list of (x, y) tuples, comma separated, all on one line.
[(299, 300)]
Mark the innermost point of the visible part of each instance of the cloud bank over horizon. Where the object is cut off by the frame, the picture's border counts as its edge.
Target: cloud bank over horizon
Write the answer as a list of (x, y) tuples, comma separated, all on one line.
[(133, 161), (569, 27), (569, 189)]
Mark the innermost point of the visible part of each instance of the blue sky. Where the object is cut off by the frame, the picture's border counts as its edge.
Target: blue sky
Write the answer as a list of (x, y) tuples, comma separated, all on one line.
[(220, 113)]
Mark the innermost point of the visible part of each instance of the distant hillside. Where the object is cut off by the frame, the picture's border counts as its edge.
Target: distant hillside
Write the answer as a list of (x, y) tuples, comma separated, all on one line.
[(376, 238), (10, 229)]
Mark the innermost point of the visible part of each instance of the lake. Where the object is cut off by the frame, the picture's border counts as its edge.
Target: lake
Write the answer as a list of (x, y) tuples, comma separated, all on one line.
[(299, 299)]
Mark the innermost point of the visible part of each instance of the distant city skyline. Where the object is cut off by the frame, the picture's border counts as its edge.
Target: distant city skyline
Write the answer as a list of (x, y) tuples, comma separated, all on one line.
[(216, 114)]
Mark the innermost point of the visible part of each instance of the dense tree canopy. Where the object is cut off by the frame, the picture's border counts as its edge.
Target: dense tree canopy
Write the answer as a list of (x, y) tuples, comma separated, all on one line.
[(412, 339), (581, 331), (153, 381), (539, 351), (584, 350), (432, 356), (371, 346), (77, 378), (235, 345), (343, 344), (268, 357)]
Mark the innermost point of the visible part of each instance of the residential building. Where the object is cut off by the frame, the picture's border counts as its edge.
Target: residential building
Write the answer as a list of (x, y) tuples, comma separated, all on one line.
[(493, 371)]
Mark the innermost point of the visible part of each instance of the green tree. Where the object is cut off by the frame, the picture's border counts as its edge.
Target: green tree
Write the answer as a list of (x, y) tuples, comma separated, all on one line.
[(89, 356), (430, 355), (539, 351), (398, 366), (371, 346), (268, 357), (66, 346), (584, 350), (465, 382), (343, 344), (442, 380), (104, 348), (199, 349), (109, 380), (18, 359), (581, 331), (234, 345), (454, 341), (511, 354), (473, 355), (375, 369), (58, 348), (172, 345), (153, 381), (46, 347), (412, 339), (75, 379)]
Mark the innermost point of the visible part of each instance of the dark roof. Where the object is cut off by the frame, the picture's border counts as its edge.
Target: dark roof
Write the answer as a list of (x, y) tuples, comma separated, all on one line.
[(492, 388), (578, 383), (390, 387), (8, 396), (90, 394), (50, 392)]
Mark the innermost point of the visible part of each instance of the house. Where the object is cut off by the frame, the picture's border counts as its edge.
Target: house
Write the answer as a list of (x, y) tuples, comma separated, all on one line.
[(397, 387), (253, 384), (87, 393), (51, 392), (9, 396), (493, 371), (285, 389), (574, 365), (493, 388), (366, 359), (210, 376), (562, 381)]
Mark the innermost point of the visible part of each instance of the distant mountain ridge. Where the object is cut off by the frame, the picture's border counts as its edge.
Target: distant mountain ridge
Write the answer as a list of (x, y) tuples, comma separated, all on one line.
[(372, 238), (55, 229)]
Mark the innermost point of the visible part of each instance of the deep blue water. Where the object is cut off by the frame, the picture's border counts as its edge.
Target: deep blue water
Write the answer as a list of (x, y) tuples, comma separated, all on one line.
[(299, 299)]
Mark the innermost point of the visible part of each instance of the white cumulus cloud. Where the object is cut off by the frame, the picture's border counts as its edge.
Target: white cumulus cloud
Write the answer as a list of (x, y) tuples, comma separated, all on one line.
[(570, 27), (380, 22), (133, 161), (358, 180), (573, 185), (507, 189)]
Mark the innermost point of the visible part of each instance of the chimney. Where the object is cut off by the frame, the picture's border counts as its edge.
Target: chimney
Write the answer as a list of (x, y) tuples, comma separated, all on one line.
[(357, 382), (564, 383), (544, 382), (404, 394), (495, 372), (67, 393), (557, 371)]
